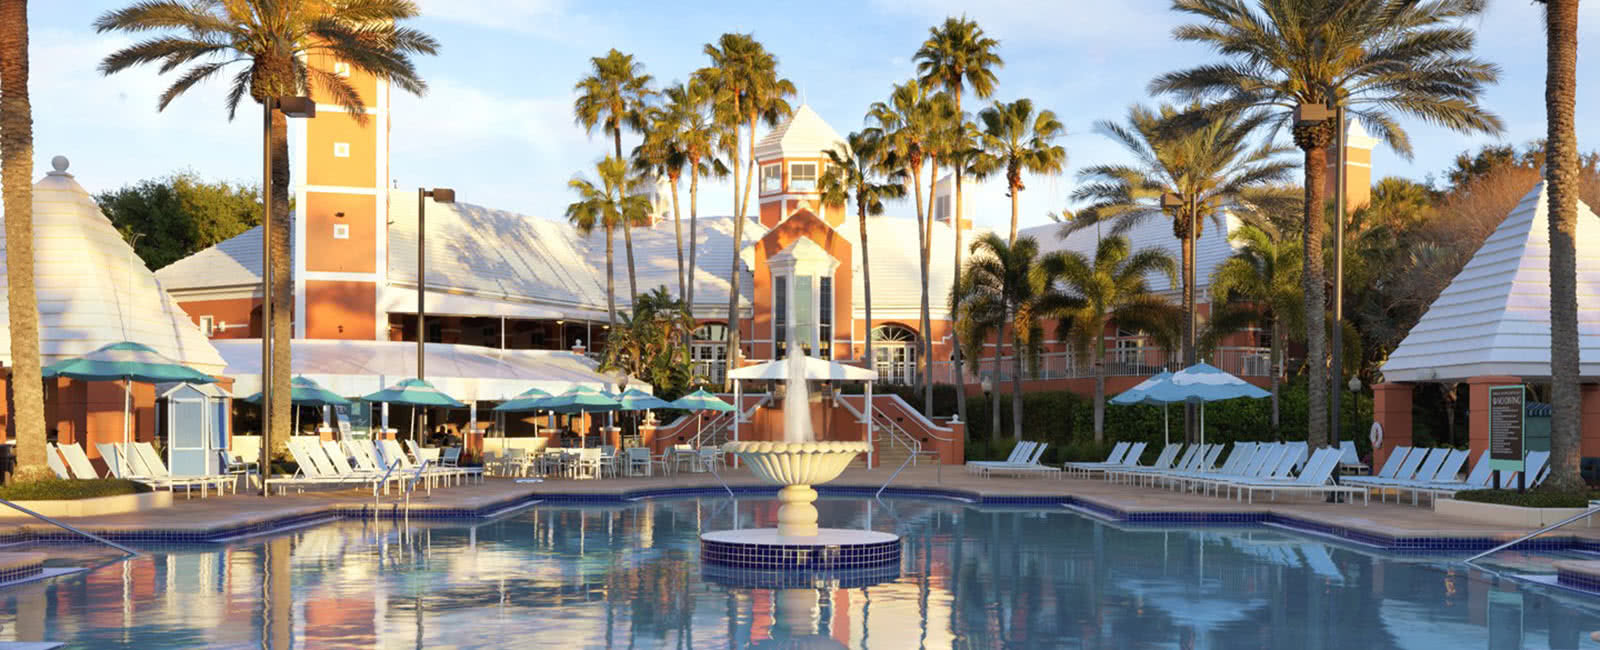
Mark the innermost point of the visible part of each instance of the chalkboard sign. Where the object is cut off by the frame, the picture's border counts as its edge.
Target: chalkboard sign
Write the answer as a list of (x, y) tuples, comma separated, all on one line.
[(1506, 404)]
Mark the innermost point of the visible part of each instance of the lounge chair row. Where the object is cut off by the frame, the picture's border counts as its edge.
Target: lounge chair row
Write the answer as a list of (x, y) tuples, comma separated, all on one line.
[(1023, 461), (363, 462), (1250, 468), (136, 462), (1433, 471)]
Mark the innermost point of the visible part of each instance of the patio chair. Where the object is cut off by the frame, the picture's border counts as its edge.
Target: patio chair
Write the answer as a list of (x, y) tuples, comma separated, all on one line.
[(77, 461), (1313, 480), (708, 458), (1349, 461), (1260, 467), (1476, 479), (1019, 452), (1119, 451), (1409, 470), (1392, 465), (637, 461), (53, 461), (451, 457), (1032, 466), (1130, 458), (1238, 458), (146, 453), (1131, 472)]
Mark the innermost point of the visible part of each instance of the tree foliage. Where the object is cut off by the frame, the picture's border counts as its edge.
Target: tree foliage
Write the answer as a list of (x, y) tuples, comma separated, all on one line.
[(175, 216)]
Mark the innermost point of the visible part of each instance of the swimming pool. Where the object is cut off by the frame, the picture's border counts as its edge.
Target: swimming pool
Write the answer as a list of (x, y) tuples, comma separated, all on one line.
[(629, 576)]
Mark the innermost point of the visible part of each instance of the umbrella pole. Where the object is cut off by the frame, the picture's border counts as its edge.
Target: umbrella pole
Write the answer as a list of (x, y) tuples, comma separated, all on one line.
[(127, 406), (1165, 436)]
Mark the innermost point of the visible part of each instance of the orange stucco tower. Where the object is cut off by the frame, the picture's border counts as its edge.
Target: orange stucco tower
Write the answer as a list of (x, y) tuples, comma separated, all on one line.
[(789, 166), (1357, 167), (341, 210)]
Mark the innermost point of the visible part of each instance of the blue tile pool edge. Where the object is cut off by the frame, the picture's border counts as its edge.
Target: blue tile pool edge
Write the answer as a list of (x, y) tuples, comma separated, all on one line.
[(1381, 541)]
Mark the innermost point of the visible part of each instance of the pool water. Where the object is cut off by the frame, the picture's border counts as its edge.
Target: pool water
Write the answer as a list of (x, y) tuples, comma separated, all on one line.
[(628, 576)]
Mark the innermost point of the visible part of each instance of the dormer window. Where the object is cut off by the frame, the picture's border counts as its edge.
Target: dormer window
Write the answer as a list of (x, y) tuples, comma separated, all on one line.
[(802, 300), (802, 177), (771, 179)]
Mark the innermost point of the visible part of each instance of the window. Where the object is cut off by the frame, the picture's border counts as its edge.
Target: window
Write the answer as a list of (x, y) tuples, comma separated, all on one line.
[(895, 355), (825, 318), (709, 352), (341, 231), (771, 178), (342, 69), (780, 314), (341, 150), (207, 325), (1126, 349), (941, 208), (802, 177)]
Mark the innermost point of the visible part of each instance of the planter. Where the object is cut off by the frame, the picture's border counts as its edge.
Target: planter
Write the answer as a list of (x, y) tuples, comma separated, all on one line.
[(92, 507), (1509, 516)]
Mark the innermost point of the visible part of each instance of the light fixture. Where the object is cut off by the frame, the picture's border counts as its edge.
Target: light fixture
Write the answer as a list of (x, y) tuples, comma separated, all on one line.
[(1355, 384)]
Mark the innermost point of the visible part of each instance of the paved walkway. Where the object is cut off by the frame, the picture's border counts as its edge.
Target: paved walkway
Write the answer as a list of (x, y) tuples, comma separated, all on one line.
[(202, 517)]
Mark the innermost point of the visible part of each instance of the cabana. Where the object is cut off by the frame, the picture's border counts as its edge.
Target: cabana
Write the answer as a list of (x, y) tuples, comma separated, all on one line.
[(815, 370), (198, 418)]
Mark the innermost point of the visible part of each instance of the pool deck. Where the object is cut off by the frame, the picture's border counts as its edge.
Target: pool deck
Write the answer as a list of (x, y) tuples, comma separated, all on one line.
[(225, 518)]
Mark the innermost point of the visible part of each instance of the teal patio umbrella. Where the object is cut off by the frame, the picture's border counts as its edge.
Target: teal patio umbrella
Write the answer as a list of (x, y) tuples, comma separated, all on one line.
[(638, 400), (304, 391), (128, 362), (414, 392), (699, 401), (581, 399), (1140, 394), (528, 400)]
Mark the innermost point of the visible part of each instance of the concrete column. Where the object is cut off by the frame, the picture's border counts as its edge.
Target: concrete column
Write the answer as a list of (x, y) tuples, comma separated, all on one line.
[(1391, 409), (1478, 410)]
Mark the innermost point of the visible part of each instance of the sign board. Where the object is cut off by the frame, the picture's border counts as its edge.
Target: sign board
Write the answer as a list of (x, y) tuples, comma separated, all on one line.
[(1506, 411)]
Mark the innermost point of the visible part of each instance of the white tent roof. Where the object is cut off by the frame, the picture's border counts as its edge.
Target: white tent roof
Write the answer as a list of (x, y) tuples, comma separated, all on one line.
[(465, 372), (1494, 317), (804, 135), (92, 290), (816, 369)]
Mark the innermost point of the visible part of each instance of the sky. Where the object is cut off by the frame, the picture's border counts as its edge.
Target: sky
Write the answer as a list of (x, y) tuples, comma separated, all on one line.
[(496, 123)]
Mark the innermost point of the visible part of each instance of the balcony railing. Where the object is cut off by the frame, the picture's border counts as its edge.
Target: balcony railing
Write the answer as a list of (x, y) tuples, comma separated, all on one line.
[(1121, 362)]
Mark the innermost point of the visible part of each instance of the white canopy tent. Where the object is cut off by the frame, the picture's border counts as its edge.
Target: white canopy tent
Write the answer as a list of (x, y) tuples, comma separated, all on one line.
[(466, 372), (816, 370)]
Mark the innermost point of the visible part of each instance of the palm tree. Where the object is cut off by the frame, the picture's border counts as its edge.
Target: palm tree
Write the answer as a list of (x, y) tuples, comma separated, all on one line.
[(663, 153), (963, 155), (1258, 285), (273, 40), (1377, 58), (616, 93), (1110, 288), (16, 190), (1561, 174), (851, 173), (1207, 171), (1019, 140), (1001, 287), (608, 204), (743, 79), (910, 122)]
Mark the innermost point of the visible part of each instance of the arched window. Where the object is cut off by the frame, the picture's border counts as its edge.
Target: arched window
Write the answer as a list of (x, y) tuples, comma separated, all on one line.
[(709, 351), (895, 349)]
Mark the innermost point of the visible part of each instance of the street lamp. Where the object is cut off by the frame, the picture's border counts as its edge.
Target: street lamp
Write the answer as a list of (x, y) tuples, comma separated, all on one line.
[(1307, 114), (439, 195), (290, 106)]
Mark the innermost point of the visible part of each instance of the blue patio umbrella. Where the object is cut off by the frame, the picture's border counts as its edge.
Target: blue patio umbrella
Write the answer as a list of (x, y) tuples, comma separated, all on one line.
[(638, 400), (414, 392), (699, 401), (1202, 382), (306, 391), (1140, 394), (528, 400), (127, 362)]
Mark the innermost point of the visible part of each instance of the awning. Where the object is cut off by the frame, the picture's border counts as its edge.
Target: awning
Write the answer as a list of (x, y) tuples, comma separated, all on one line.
[(466, 372), (404, 301), (816, 369)]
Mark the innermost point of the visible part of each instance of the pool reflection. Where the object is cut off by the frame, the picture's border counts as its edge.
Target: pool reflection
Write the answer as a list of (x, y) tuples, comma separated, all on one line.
[(629, 576)]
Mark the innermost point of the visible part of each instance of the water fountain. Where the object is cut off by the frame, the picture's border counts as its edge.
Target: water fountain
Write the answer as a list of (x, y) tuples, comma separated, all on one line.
[(797, 464)]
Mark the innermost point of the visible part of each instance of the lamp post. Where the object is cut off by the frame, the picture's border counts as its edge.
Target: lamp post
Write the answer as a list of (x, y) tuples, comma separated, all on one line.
[(1307, 113), (439, 195), (290, 106)]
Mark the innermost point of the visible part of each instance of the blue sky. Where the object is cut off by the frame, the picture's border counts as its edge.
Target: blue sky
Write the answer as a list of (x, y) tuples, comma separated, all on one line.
[(497, 122)]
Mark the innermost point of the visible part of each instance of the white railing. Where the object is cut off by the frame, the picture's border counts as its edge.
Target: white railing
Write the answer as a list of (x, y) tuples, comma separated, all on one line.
[(1122, 362)]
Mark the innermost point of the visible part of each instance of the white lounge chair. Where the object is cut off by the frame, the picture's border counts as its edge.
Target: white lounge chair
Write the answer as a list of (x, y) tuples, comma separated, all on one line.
[(1349, 460), (1119, 452), (1313, 480), (144, 454), (77, 461), (1019, 453), (53, 461), (1032, 466), (1188, 461)]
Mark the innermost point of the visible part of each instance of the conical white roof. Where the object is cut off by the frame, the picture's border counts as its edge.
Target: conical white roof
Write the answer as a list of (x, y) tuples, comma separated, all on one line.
[(804, 135), (1494, 318), (92, 290)]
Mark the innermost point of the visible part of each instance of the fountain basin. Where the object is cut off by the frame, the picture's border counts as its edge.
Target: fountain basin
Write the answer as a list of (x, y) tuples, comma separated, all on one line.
[(796, 466)]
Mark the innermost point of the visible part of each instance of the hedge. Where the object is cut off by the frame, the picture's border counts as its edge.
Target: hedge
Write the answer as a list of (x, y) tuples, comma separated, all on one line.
[(1530, 499), (56, 489)]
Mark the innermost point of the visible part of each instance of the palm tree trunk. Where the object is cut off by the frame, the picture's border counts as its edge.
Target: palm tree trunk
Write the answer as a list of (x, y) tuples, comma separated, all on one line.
[(960, 379), (927, 314), (1016, 383), (1316, 159), (1100, 387), (922, 259), (1015, 188), (16, 191), (282, 284), (750, 169), (733, 300), (1186, 247), (1561, 172), (611, 283), (677, 236), (866, 277), (694, 230), (994, 406), (1277, 365), (627, 227)]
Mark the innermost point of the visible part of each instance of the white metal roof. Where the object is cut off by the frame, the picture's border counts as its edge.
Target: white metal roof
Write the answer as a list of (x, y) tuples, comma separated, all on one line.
[(1494, 317), (465, 372), (804, 135), (92, 290), (896, 267), (815, 369), (1211, 249), (232, 263)]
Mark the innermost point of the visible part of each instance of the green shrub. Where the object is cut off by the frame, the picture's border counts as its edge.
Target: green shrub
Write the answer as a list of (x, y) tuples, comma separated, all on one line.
[(1531, 499), (56, 489)]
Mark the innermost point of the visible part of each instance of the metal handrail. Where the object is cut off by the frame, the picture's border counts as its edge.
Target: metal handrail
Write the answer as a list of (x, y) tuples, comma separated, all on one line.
[(1591, 511), (67, 527), (885, 486), (712, 467), (384, 482), (898, 433)]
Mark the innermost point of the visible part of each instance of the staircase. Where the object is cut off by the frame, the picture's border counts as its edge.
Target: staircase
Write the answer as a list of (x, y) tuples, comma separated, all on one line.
[(894, 444)]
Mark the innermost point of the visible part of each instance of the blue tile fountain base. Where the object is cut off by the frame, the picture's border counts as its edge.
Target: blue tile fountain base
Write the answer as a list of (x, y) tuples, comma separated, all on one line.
[(830, 549)]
